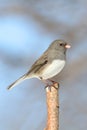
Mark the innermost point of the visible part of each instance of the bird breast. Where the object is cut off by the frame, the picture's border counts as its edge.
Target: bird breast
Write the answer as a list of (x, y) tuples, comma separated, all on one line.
[(52, 69)]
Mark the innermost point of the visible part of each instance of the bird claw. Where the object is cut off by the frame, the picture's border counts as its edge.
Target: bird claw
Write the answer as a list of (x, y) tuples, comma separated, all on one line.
[(48, 87), (51, 85), (54, 83)]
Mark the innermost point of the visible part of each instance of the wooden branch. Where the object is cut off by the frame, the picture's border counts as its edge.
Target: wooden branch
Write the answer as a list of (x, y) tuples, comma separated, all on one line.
[(52, 108)]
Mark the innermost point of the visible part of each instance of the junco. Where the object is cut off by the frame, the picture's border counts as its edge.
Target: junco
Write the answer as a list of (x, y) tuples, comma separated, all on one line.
[(48, 65)]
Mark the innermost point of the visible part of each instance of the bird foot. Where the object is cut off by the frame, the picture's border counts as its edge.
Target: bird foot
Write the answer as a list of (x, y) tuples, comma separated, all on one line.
[(53, 84)]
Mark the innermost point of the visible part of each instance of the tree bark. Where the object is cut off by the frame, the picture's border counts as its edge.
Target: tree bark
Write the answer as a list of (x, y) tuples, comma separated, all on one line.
[(52, 107)]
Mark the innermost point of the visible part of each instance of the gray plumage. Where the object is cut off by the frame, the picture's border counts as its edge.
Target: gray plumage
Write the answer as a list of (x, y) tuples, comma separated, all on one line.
[(45, 68)]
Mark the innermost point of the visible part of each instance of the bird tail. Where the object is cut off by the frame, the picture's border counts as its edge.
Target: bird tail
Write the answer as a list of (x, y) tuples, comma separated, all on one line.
[(21, 79)]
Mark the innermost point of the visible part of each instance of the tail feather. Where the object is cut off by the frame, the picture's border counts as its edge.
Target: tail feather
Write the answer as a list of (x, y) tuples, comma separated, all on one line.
[(21, 79)]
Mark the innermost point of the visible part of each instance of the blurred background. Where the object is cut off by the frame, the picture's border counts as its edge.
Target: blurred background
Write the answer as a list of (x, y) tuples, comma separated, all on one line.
[(27, 27)]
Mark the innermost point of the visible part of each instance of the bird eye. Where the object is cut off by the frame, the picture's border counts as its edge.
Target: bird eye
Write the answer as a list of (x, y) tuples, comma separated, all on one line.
[(61, 44)]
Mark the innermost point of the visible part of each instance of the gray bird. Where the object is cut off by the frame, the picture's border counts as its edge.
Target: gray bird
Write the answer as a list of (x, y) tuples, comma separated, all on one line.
[(48, 65)]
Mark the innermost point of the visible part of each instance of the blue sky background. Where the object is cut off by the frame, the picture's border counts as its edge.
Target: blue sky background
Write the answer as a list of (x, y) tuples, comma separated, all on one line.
[(26, 30)]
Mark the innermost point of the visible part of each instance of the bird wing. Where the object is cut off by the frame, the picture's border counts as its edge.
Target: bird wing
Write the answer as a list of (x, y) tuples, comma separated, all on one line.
[(43, 60)]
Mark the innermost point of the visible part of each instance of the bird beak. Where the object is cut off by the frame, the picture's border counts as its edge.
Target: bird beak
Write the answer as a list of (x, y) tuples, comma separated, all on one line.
[(67, 46)]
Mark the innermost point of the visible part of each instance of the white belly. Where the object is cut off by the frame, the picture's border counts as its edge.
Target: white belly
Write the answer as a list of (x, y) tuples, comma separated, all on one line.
[(53, 69)]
